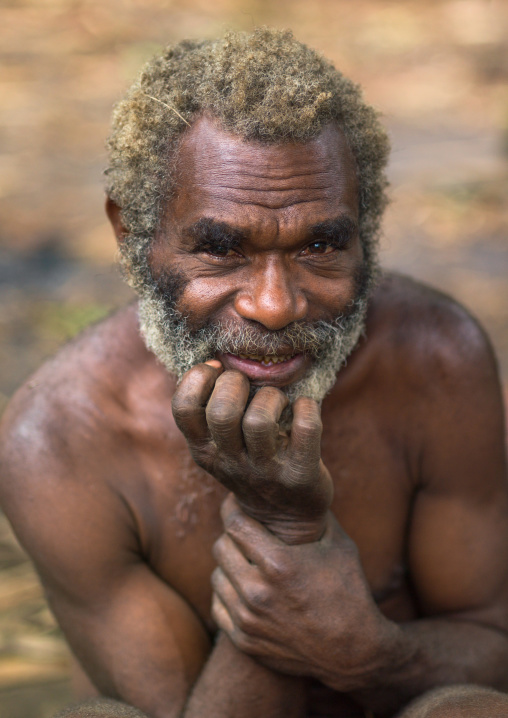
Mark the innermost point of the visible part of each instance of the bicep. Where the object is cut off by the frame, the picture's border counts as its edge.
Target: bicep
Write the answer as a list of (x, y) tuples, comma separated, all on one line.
[(458, 540), (136, 637), (458, 555)]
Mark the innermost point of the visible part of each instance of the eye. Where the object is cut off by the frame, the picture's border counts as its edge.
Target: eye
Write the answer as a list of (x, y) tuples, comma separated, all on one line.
[(219, 251), (318, 248)]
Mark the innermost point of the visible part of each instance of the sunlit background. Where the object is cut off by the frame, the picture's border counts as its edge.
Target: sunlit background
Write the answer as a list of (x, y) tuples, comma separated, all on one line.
[(436, 70)]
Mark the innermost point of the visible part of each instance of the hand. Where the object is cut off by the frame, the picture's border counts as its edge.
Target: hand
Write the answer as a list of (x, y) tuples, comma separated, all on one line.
[(279, 480), (304, 610)]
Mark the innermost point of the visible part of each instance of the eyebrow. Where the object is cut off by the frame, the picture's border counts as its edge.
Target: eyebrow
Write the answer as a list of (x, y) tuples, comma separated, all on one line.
[(339, 231), (208, 232)]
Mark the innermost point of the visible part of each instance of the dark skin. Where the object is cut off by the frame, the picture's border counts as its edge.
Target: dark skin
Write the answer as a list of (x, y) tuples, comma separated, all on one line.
[(356, 563)]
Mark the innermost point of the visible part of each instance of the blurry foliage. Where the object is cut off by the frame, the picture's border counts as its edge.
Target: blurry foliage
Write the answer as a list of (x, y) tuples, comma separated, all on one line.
[(57, 322)]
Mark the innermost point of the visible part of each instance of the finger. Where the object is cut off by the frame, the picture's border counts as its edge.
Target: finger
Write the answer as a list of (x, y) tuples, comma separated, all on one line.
[(304, 449), (221, 616), (230, 597), (224, 411), (253, 540), (224, 588), (190, 399), (232, 562), (225, 622), (261, 423)]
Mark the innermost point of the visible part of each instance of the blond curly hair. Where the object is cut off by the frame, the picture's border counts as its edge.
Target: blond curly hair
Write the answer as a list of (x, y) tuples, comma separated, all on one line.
[(263, 86)]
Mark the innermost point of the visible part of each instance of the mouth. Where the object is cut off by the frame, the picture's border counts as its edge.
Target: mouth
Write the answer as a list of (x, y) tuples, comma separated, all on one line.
[(267, 359), (269, 369)]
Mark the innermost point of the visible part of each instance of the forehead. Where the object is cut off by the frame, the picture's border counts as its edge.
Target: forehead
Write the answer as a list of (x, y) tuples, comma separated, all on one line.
[(223, 177)]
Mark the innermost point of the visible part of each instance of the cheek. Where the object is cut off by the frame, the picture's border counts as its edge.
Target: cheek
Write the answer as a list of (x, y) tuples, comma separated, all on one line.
[(329, 296), (204, 299)]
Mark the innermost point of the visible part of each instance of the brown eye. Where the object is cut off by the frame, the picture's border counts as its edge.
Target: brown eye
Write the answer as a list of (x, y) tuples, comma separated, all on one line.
[(318, 248), (219, 251)]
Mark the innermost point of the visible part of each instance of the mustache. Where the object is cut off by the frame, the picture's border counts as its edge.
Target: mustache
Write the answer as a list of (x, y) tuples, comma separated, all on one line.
[(296, 338)]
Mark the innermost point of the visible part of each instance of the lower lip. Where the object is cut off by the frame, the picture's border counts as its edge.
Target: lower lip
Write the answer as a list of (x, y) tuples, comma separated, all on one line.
[(276, 374)]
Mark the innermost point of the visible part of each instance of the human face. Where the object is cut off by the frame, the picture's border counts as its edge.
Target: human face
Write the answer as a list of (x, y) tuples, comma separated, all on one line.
[(262, 238)]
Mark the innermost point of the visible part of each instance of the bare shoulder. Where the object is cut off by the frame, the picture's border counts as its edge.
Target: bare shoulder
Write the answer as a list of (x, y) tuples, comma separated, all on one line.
[(70, 389), (425, 333), (69, 427), (441, 382)]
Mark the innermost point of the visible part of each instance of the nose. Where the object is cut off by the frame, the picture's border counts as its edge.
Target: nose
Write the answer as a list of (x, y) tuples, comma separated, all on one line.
[(271, 296)]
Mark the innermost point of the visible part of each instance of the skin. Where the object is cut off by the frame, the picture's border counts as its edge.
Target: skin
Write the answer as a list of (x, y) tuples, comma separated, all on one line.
[(353, 565)]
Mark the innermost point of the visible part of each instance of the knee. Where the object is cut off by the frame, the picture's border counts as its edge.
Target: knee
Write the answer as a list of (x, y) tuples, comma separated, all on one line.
[(100, 708), (461, 701)]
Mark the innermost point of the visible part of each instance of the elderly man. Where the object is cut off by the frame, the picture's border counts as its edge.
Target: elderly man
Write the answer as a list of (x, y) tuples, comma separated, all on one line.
[(270, 536)]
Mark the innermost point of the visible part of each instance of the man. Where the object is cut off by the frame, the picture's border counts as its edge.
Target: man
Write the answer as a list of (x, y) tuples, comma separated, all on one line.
[(288, 541)]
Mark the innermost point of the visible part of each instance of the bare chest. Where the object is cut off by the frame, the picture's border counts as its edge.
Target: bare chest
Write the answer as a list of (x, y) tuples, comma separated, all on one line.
[(177, 507)]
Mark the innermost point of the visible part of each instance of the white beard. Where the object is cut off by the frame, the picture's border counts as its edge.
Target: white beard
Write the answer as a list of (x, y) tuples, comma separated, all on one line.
[(166, 334)]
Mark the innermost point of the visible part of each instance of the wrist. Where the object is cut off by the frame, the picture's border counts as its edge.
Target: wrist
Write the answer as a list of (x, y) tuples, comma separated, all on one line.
[(391, 655), (290, 529)]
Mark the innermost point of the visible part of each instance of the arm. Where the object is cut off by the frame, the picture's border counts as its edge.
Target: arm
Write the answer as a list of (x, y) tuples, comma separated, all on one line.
[(307, 610), (458, 540), (235, 685), (137, 638), (313, 614), (244, 450)]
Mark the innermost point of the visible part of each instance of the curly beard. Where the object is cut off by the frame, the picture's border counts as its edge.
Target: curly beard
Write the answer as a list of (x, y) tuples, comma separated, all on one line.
[(167, 334)]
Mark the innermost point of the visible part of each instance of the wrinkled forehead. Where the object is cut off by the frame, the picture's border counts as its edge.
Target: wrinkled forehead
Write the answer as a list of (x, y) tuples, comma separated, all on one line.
[(208, 153)]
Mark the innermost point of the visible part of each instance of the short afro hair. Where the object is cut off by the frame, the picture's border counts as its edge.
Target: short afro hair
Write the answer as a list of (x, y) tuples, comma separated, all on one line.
[(263, 86)]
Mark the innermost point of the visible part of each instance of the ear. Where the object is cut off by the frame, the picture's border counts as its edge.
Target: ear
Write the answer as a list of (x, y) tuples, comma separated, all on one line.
[(113, 212)]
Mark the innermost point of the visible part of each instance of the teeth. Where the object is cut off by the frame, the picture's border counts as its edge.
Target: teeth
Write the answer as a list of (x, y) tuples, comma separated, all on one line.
[(268, 359)]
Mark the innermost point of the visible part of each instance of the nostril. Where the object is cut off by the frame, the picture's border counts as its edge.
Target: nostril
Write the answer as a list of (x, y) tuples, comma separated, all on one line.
[(273, 308)]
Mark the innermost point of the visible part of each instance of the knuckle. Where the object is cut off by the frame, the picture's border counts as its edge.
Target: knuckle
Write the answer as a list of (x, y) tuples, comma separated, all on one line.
[(245, 620), (309, 425), (257, 597), (234, 524), (215, 579), (218, 549), (258, 421), (222, 412), (217, 612), (233, 521), (202, 456), (183, 407), (275, 568)]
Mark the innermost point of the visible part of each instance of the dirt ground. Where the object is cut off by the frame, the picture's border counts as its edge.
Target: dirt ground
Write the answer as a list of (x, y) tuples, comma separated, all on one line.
[(438, 72)]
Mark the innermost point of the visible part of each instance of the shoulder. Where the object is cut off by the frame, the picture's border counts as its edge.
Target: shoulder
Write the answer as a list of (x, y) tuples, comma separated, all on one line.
[(426, 336), (440, 383), (65, 425), (70, 387)]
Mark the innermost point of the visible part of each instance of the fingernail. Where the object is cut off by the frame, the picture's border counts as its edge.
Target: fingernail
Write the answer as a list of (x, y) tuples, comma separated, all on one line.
[(215, 363)]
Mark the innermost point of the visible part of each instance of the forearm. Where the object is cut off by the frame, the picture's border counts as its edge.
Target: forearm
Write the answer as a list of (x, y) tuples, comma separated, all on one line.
[(234, 685), (310, 611), (434, 652)]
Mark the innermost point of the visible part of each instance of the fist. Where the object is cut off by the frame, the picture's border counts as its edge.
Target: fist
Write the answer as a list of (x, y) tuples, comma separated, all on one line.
[(277, 478)]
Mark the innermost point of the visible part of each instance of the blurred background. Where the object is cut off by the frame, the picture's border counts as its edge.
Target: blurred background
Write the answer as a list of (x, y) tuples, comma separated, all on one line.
[(437, 70)]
